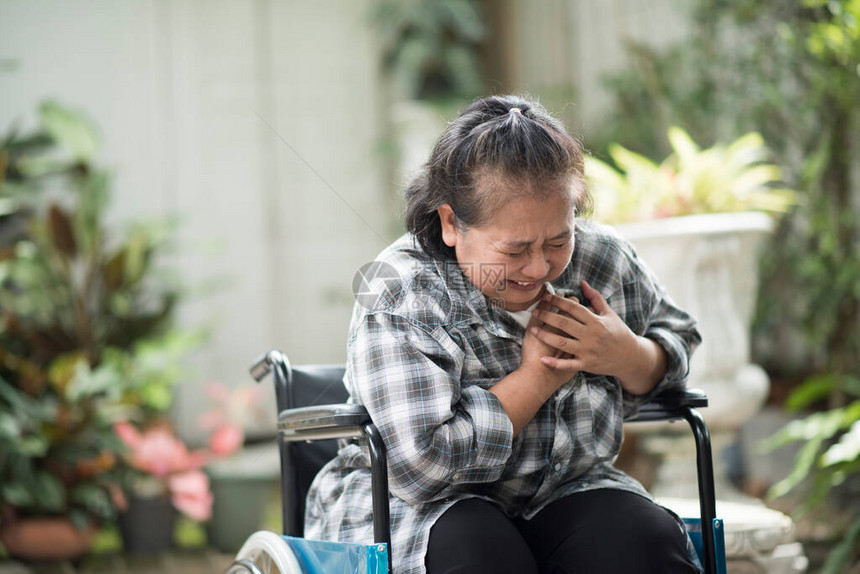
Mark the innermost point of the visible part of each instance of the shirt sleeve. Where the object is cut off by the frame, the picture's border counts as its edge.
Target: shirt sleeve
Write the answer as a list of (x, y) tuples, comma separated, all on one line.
[(437, 429), (654, 315)]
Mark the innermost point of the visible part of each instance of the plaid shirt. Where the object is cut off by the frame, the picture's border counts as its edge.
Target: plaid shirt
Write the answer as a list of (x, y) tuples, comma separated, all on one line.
[(421, 358)]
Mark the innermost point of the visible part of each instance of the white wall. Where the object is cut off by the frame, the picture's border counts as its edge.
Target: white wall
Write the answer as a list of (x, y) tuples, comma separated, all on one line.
[(256, 121)]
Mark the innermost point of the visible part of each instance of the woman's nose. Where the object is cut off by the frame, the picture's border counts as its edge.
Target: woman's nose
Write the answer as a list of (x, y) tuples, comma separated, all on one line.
[(537, 267)]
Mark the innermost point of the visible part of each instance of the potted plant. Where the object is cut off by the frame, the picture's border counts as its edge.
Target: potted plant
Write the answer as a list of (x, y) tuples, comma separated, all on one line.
[(86, 334), (431, 47), (697, 220), (162, 477), (243, 479), (691, 181), (431, 60)]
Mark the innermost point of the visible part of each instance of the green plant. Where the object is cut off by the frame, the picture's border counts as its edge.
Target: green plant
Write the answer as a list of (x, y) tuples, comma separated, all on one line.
[(430, 46), (86, 333), (690, 181), (790, 70), (787, 69), (830, 454)]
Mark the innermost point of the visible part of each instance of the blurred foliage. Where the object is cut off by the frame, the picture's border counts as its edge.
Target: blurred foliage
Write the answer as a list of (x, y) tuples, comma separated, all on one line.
[(431, 46), (690, 181), (86, 334), (789, 70), (830, 454)]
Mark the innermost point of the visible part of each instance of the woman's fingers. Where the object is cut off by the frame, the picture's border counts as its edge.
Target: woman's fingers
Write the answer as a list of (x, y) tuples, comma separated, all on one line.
[(563, 364), (560, 342), (570, 307), (598, 303), (564, 324)]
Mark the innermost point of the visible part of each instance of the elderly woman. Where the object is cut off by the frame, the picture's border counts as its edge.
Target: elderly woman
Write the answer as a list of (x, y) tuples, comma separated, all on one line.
[(500, 364)]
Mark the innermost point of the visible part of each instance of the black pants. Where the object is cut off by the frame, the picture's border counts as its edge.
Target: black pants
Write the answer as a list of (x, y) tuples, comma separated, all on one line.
[(599, 531)]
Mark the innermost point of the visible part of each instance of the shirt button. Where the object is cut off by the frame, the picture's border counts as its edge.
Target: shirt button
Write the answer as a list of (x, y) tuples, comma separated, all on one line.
[(557, 466), (455, 476)]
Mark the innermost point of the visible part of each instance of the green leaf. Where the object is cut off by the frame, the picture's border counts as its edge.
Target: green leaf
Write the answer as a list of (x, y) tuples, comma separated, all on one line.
[(463, 70), (189, 533), (70, 130), (94, 499), (51, 495), (8, 206), (10, 428), (38, 166), (815, 426), (79, 518), (89, 383), (683, 144), (802, 464), (35, 446), (414, 58), (811, 390), (844, 551), (467, 20), (157, 396), (16, 494), (846, 449), (135, 257), (748, 148), (630, 161)]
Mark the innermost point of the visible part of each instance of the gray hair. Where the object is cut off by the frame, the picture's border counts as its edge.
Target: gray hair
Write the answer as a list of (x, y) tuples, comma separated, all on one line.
[(501, 135)]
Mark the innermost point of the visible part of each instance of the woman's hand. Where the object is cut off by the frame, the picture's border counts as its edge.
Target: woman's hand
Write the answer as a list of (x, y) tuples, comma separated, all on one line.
[(535, 350), (597, 341), (523, 391)]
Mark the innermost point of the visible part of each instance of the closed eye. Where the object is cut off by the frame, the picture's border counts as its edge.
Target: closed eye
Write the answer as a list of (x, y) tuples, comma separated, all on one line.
[(561, 245)]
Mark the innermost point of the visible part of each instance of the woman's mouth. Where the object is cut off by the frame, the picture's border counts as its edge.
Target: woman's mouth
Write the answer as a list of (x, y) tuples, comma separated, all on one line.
[(524, 285)]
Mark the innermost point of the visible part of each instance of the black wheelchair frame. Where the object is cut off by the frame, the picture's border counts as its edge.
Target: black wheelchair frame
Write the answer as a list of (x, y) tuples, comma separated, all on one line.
[(301, 420)]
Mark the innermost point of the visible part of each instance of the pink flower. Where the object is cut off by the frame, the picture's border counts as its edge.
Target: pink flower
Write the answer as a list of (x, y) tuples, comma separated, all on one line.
[(169, 465), (118, 497), (127, 434), (227, 419), (219, 392), (226, 440), (157, 451), (190, 494)]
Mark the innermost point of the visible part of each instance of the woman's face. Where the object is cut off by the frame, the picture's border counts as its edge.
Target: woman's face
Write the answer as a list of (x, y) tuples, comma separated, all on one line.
[(527, 242)]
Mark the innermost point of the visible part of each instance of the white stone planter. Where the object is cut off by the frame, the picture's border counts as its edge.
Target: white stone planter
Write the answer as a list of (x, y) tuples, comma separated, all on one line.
[(709, 266)]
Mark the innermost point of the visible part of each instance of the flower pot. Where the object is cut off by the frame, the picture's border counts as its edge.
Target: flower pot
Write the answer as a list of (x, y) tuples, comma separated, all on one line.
[(48, 538), (709, 265), (147, 525), (243, 485)]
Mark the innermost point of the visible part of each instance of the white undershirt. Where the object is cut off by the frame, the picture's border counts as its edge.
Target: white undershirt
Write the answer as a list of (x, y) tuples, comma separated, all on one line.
[(523, 317)]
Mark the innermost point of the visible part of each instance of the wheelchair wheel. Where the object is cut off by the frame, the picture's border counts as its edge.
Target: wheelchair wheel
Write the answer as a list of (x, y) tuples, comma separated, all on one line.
[(265, 553)]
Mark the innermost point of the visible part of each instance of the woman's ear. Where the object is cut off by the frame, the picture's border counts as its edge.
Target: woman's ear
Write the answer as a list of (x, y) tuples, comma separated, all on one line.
[(449, 225)]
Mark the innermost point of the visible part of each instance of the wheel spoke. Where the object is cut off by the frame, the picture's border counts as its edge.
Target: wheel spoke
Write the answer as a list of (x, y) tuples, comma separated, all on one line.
[(267, 565)]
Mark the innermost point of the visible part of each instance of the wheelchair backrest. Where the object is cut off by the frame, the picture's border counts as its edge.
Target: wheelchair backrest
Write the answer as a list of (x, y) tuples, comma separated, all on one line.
[(311, 385)]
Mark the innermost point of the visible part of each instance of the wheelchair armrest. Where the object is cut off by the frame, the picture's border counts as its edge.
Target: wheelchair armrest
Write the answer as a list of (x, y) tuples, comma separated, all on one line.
[(322, 422), (670, 405)]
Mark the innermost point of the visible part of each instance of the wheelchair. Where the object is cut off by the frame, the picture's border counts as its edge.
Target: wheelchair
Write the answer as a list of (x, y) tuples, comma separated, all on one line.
[(311, 407)]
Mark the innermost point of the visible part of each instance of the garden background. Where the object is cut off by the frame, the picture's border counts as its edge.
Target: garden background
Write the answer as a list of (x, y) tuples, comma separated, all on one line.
[(265, 144)]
